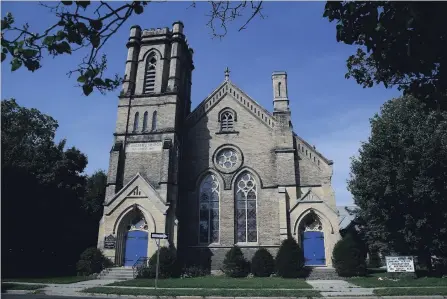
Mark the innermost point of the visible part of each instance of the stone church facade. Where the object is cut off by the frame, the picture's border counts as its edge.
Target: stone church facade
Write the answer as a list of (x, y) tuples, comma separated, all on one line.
[(227, 172)]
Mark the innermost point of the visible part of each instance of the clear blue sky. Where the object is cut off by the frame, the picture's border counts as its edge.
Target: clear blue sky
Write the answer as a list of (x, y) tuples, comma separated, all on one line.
[(328, 110)]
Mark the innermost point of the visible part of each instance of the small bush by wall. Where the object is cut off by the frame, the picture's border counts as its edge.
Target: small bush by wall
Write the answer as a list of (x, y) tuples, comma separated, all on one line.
[(92, 261), (262, 263), (235, 264), (290, 259), (348, 259)]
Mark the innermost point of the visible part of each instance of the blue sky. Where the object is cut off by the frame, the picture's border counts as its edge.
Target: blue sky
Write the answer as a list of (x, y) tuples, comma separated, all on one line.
[(328, 110)]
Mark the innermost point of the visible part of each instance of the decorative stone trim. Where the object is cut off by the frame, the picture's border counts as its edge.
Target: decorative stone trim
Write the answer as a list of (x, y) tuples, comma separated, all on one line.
[(229, 88)]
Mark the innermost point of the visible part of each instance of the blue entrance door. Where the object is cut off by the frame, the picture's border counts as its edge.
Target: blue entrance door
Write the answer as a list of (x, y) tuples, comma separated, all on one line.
[(313, 246), (136, 246)]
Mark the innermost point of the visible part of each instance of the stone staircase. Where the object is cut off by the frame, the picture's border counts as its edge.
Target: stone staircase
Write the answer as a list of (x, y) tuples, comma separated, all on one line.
[(317, 273), (117, 273)]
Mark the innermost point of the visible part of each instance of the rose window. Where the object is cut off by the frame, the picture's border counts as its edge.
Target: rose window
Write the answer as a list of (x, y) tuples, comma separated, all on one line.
[(227, 158)]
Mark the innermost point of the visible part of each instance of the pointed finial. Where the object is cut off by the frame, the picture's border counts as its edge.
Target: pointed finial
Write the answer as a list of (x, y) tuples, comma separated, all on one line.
[(227, 74)]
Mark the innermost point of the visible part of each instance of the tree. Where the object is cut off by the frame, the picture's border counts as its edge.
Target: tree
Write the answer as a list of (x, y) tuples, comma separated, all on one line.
[(89, 25), (401, 44), (42, 192), (399, 180), (95, 192)]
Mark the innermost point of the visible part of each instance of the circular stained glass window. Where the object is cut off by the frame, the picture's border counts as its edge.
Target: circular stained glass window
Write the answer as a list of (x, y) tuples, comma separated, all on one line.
[(227, 158)]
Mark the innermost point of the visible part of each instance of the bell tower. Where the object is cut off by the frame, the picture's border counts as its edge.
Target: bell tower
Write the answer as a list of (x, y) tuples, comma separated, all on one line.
[(153, 104)]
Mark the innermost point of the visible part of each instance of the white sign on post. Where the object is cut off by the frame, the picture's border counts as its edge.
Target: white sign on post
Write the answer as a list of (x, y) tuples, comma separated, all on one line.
[(399, 264), (158, 237), (143, 147)]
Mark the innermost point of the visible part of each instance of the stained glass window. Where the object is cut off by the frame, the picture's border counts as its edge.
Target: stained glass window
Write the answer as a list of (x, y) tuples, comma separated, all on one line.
[(246, 196), (227, 158), (209, 210)]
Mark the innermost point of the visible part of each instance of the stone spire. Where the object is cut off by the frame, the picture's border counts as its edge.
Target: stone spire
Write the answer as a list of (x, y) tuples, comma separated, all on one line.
[(227, 74)]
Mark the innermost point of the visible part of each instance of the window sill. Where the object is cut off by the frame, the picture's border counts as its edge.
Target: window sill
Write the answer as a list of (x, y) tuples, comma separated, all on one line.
[(227, 132), (247, 244)]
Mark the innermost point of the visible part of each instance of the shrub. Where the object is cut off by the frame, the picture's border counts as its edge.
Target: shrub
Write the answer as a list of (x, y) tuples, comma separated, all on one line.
[(194, 271), (290, 259), (262, 263), (92, 261), (168, 265), (235, 264), (348, 259)]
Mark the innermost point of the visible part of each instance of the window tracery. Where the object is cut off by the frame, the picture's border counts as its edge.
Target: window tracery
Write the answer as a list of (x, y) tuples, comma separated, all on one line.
[(209, 210), (246, 208)]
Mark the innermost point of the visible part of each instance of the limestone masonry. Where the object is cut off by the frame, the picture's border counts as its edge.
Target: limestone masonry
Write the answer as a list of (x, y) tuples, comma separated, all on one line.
[(228, 172)]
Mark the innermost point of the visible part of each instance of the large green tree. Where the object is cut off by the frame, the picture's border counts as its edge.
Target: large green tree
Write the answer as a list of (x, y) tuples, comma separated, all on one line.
[(86, 25), (399, 179), (399, 43), (45, 222)]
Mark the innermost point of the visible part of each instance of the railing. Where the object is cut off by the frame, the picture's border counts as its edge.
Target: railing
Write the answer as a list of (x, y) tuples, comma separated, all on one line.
[(142, 262)]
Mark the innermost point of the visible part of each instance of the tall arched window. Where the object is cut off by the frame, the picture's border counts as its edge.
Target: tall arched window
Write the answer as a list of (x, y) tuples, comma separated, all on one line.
[(154, 121), (227, 121), (279, 89), (135, 121), (145, 121), (149, 76), (209, 210), (246, 197)]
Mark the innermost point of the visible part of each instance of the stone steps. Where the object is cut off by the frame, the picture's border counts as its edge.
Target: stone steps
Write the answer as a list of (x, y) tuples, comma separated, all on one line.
[(316, 273), (118, 273)]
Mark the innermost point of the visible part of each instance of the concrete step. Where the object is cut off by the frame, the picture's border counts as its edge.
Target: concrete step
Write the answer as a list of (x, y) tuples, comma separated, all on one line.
[(323, 274), (117, 273)]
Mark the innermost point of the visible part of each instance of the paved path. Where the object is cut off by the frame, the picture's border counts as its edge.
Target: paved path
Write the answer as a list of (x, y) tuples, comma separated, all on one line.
[(71, 289), (332, 288)]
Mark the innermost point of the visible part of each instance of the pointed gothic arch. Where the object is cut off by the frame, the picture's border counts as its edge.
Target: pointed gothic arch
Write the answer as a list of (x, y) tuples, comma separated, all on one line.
[(246, 208)]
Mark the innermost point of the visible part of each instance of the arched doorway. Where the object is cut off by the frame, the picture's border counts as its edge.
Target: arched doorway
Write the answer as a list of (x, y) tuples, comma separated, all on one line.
[(312, 240), (135, 237)]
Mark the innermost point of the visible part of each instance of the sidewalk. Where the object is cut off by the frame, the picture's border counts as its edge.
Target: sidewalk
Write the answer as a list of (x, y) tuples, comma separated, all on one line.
[(328, 289)]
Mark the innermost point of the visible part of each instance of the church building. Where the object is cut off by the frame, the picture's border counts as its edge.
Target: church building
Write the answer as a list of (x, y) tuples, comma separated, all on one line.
[(227, 172)]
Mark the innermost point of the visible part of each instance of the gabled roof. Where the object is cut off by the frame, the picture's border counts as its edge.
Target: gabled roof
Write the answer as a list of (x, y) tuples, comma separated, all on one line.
[(346, 215), (228, 88), (137, 187)]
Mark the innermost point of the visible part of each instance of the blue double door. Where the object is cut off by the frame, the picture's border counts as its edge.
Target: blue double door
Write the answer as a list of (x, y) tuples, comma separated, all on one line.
[(136, 246), (313, 246)]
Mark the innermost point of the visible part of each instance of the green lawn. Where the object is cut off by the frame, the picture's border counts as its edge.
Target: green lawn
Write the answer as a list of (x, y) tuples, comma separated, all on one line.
[(218, 282), (222, 293), (61, 280), (373, 282), (411, 291), (17, 286)]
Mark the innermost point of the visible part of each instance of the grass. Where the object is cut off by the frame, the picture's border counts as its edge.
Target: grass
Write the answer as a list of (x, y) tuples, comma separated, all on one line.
[(215, 292), (411, 291), (218, 282), (17, 286), (57, 280), (373, 282)]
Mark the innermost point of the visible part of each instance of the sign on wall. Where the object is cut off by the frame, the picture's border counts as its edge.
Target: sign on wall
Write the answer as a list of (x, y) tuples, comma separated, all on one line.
[(109, 242), (143, 147), (399, 264)]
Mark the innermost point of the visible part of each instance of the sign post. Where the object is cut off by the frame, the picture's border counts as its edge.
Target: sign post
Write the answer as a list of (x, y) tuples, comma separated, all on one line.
[(158, 237)]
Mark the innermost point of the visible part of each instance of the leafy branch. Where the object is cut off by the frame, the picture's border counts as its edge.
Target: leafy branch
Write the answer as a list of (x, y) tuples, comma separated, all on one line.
[(89, 26)]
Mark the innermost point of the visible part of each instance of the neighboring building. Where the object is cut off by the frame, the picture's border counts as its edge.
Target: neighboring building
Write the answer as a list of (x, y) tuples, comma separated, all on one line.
[(228, 172)]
